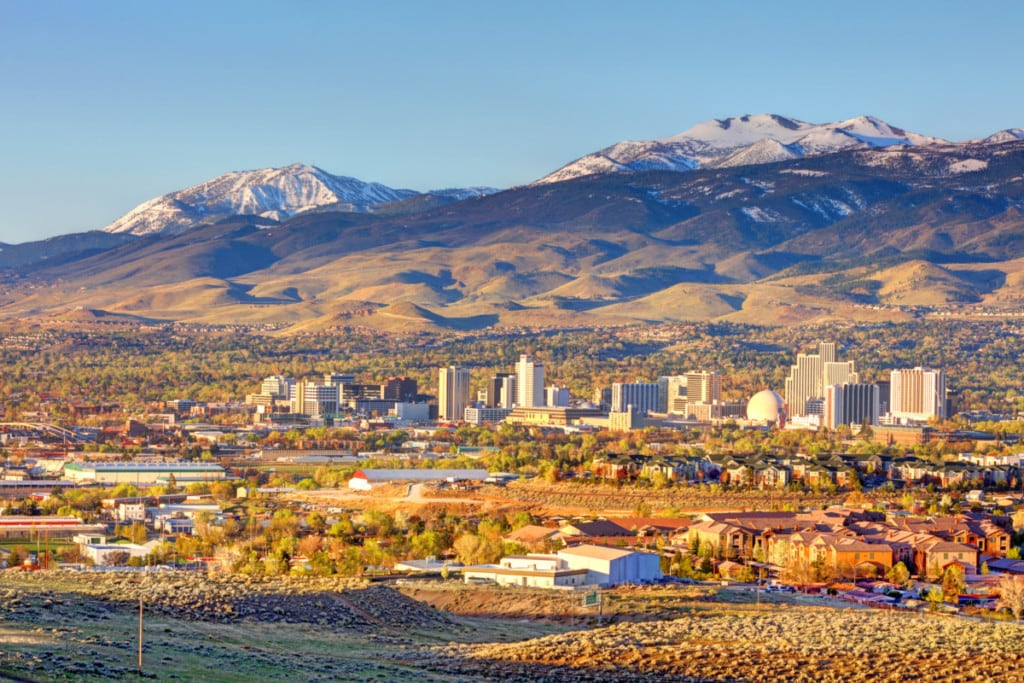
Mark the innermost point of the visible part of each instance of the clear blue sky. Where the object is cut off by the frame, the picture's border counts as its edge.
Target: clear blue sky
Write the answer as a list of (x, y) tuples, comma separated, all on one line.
[(106, 104)]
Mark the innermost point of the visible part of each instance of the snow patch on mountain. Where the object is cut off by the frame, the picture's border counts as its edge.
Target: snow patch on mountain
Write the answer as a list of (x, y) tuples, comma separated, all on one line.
[(827, 207), (968, 166), (275, 193), (806, 172), (759, 215)]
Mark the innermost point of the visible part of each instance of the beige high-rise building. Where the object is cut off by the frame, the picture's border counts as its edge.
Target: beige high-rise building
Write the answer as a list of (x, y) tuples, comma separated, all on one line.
[(678, 393), (918, 394), (812, 373), (702, 387), (529, 383), (452, 392)]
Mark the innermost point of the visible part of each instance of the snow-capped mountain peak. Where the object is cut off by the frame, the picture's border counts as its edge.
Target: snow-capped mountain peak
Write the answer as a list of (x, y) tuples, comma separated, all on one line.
[(740, 131), (741, 140), (270, 192), (1002, 136)]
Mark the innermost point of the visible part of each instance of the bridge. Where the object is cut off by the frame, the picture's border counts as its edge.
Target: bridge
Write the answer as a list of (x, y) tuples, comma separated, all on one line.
[(54, 431)]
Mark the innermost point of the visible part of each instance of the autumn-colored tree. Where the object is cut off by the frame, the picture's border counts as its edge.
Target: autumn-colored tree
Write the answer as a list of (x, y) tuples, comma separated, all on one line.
[(1011, 594)]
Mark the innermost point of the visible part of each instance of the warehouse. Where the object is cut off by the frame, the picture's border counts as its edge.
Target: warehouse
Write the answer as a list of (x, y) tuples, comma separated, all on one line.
[(612, 566), (28, 526), (143, 473), (366, 479), (578, 566)]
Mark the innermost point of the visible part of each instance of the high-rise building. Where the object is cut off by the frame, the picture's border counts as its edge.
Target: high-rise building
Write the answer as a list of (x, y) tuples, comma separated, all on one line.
[(849, 404), (556, 397), (529, 383), (452, 392), (676, 393), (672, 389), (318, 400), (277, 386), (812, 373), (702, 387), (399, 389), (339, 378), (918, 394), (501, 391), (642, 396)]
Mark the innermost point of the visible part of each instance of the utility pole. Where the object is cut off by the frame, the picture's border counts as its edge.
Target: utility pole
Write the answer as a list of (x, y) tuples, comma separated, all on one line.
[(140, 632)]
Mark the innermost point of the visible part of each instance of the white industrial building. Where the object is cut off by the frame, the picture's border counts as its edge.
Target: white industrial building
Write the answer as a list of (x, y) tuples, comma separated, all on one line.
[(583, 565), (612, 566), (365, 479), (142, 473)]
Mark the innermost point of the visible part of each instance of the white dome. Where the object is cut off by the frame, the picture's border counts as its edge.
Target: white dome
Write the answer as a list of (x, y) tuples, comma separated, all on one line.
[(765, 406)]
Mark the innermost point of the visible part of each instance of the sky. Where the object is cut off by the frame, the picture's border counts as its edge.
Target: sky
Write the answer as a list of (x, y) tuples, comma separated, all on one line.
[(104, 105)]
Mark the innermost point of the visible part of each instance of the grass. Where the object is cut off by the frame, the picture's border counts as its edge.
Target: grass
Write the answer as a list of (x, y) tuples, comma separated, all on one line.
[(65, 632)]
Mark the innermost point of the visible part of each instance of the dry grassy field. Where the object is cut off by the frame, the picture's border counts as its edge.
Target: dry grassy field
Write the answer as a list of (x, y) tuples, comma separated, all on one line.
[(61, 626)]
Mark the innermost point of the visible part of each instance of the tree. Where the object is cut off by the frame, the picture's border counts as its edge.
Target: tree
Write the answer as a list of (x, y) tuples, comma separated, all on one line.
[(316, 522), (118, 558), (1011, 594), (475, 549), (898, 574), (934, 598), (954, 583), (137, 533)]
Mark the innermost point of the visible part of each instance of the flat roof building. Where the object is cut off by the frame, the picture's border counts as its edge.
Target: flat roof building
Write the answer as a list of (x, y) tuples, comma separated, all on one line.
[(148, 473)]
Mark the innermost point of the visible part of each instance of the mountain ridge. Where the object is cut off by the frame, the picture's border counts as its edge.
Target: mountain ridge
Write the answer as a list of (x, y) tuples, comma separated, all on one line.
[(718, 142), (271, 193), (862, 233)]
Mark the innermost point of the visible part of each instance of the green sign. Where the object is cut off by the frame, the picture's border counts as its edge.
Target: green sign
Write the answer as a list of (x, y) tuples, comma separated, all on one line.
[(592, 599)]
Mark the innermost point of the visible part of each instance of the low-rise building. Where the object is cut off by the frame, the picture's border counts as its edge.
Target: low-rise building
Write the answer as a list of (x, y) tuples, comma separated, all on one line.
[(583, 565), (365, 479), (148, 473)]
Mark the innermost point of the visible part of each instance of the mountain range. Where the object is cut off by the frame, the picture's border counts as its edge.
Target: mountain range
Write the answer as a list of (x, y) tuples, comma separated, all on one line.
[(761, 219)]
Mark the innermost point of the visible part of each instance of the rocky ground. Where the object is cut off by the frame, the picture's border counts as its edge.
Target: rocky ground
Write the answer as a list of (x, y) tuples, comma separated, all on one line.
[(803, 644), (339, 603), (61, 626)]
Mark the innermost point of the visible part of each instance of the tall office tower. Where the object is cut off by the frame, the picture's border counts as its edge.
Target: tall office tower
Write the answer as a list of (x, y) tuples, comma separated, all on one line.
[(827, 351), (840, 372), (812, 373), (884, 401), (556, 397), (399, 389), (321, 399), (642, 396), (298, 397), (452, 392), (670, 389), (309, 398), (702, 387), (848, 404), (501, 390), (339, 378), (530, 383), (917, 394), (277, 386)]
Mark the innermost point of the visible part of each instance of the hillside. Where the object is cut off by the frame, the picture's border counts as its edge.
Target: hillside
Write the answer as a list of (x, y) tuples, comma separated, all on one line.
[(856, 234)]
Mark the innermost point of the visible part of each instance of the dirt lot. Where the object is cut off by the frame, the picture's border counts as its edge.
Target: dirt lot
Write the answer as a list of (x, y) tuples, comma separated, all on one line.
[(563, 498)]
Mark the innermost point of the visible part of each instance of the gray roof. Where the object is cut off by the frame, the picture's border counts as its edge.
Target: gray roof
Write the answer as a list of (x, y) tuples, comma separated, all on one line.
[(420, 475)]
